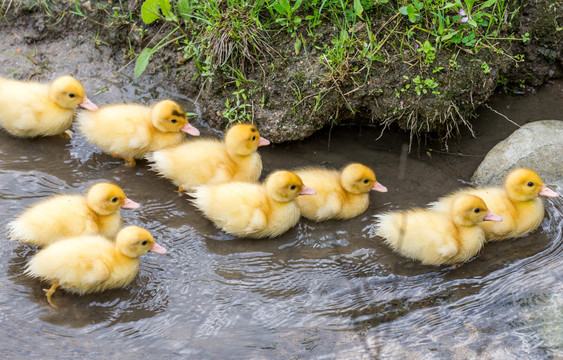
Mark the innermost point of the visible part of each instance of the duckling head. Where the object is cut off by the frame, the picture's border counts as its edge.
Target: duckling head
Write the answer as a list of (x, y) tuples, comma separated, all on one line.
[(168, 116), (469, 210), (68, 93), (285, 186), (358, 179), (107, 198), (244, 139), (134, 241), (525, 185)]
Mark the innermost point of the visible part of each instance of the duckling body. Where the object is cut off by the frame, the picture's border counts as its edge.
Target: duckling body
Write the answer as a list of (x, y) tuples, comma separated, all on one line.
[(31, 109), (89, 264), (435, 237), (63, 216), (130, 131), (253, 210), (208, 161), (340, 194), (518, 203)]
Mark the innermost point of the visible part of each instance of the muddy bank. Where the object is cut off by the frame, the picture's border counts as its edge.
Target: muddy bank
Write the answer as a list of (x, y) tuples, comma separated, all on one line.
[(292, 94)]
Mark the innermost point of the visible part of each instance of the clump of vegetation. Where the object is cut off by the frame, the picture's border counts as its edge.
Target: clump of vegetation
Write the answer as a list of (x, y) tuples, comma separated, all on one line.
[(223, 37)]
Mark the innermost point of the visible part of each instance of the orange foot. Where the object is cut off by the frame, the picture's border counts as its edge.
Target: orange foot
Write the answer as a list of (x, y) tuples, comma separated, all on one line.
[(67, 135), (128, 160), (50, 293)]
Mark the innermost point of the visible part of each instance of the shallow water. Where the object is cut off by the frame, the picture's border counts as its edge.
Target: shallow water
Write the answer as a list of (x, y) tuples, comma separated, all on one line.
[(328, 290)]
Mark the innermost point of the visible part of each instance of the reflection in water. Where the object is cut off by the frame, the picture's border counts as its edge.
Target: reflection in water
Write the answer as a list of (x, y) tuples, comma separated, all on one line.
[(322, 290)]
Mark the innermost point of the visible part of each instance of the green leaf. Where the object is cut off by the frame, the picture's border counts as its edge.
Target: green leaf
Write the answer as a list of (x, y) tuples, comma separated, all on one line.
[(358, 8), (449, 36), (487, 4), (184, 8), (149, 11), (297, 46), (142, 61), (166, 10)]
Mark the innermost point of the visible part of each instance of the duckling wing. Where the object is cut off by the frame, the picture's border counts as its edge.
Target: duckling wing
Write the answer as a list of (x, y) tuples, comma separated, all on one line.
[(257, 223)]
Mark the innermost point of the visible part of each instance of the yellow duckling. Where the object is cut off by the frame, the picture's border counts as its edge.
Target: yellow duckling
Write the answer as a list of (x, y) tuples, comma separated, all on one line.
[(130, 131), (30, 109), (518, 203), (435, 237), (253, 210), (209, 161), (63, 216), (88, 264), (340, 194)]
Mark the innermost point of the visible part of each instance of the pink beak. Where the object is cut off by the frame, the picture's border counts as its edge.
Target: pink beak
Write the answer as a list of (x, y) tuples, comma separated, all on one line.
[(305, 190), (190, 130), (263, 142), (130, 204), (545, 191), (491, 216), (378, 187), (157, 249), (88, 105)]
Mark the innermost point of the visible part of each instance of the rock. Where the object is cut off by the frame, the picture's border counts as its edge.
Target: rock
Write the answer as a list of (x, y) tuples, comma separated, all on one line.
[(537, 145)]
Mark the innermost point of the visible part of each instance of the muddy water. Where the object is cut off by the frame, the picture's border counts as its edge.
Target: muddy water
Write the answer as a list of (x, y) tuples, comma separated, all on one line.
[(328, 290)]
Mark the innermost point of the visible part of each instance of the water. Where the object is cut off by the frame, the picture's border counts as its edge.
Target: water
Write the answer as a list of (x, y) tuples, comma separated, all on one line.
[(324, 291)]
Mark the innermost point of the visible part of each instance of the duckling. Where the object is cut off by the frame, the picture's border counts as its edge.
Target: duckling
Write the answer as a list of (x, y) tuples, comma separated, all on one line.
[(340, 194), (31, 109), (130, 131), (63, 216), (89, 264), (518, 203), (253, 210), (435, 237), (209, 161)]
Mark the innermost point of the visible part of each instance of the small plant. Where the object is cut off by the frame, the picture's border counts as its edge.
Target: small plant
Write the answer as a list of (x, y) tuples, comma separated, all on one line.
[(238, 110), (286, 12)]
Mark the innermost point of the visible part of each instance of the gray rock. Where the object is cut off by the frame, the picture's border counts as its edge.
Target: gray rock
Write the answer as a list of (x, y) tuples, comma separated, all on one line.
[(537, 146)]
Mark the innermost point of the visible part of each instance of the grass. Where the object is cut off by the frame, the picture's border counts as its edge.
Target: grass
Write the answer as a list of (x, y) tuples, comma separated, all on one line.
[(223, 37)]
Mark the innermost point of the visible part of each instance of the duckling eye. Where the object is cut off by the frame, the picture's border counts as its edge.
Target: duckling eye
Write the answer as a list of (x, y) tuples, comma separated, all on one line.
[(366, 181), (71, 95), (144, 242), (530, 183), (292, 187), (253, 138), (114, 199), (173, 121), (476, 210)]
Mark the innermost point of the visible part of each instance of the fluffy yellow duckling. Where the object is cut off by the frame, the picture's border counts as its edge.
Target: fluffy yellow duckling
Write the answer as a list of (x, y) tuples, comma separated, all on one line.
[(435, 237), (88, 264), (518, 203), (130, 131), (63, 216), (30, 109), (253, 210), (209, 161), (340, 194)]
